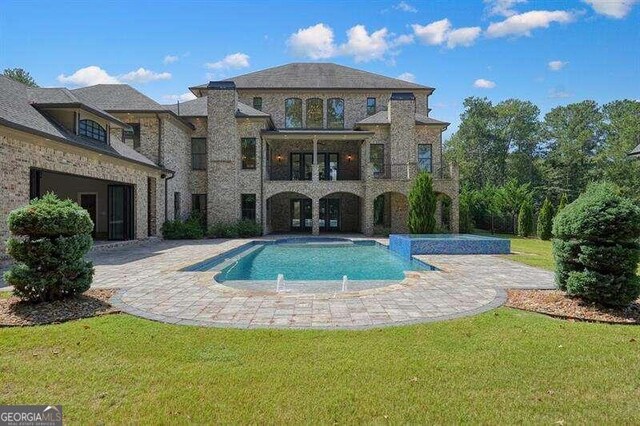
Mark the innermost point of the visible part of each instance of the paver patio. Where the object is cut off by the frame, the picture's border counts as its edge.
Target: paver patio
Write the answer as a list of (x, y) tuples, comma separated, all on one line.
[(152, 286)]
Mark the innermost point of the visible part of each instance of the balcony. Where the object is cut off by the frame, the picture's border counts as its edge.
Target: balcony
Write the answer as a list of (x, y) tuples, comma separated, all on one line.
[(408, 171)]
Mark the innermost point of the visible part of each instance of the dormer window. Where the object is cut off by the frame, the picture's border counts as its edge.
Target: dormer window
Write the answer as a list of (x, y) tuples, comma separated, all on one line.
[(92, 130)]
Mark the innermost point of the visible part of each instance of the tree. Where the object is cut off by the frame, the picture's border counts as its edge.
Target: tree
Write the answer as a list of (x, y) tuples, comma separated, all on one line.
[(511, 196), (50, 239), (20, 75), (545, 220), (596, 247), (525, 219), (563, 202), (422, 205)]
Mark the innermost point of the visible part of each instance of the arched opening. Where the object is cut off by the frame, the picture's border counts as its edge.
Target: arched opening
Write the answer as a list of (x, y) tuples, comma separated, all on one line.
[(289, 212), (340, 212), (443, 213), (390, 213)]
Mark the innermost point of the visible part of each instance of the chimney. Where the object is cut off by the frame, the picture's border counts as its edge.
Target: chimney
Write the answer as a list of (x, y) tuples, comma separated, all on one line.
[(402, 119)]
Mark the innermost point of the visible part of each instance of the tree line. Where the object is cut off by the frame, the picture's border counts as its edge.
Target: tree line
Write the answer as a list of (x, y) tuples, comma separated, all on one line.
[(510, 156)]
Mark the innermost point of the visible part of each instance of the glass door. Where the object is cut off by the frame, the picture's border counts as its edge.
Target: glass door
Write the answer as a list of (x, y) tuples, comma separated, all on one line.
[(333, 214), (301, 219), (120, 212)]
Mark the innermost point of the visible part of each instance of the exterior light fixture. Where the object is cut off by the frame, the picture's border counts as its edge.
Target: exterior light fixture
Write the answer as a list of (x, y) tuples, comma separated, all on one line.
[(279, 158), (349, 158)]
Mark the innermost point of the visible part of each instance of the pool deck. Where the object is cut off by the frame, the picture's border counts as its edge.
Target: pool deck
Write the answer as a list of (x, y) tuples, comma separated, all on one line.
[(151, 285)]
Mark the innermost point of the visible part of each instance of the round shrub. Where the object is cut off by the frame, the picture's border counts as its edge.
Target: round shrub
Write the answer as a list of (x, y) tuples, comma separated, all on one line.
[(596, 249), (50, 238)]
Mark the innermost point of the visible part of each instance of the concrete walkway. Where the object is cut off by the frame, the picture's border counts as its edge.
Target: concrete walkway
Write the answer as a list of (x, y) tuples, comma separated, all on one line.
[(151, 286)]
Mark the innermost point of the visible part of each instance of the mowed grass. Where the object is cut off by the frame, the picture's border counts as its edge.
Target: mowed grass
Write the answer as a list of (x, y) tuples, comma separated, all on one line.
[(530, 251), (504, 366)]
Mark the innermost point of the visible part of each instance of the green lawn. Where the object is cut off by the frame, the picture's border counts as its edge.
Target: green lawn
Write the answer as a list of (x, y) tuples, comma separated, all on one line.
[(530, 251), (504, 366)]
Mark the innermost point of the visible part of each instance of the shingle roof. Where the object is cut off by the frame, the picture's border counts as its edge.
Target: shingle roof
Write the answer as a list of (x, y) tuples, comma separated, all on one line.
[(382, 117), (117, 97), (18, 112), (198, 108), (314, 75)]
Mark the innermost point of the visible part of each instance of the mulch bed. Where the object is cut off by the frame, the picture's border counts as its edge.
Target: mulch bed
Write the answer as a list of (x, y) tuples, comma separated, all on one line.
[(556, 303), (92, 303)]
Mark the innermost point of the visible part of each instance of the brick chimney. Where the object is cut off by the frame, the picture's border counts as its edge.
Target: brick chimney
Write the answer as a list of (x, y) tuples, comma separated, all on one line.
[(402, 111)]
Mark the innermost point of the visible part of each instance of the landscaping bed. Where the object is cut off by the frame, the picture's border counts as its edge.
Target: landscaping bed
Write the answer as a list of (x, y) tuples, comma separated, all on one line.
[(558, 304), (14, 312)]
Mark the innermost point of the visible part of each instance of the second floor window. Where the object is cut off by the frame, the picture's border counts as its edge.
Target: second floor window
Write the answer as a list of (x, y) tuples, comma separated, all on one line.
[(93, 130), (198, 153), (376, 157), (314, 113), (248, 152), (335, 113), (371, 106), (424, 157), (257, 103), (293, 113), (132, 135)]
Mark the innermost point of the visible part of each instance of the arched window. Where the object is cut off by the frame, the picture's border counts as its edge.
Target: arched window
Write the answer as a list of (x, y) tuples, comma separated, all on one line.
[(315, 113), (335, 113), (93, 130), (293, 113)]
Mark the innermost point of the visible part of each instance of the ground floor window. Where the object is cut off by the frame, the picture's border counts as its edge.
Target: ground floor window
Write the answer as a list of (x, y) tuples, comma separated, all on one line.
[(248, 204), (176, 205), (199, 207)]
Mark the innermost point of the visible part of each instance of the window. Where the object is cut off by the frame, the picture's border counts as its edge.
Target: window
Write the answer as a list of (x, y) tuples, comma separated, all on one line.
[(335, 113), (371, 106), (257, 103), (199, 153), (293, 113), (301, 165), (424, 157), (376, 157), (248, 204), (176, 206), (93, 130), (132, 135), (314, 113), (199, 207), (248, 147)]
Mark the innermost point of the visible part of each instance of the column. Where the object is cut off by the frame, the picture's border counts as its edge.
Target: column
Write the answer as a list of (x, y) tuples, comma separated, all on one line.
[(315, 150), (315, 215), (438, 213), (367, 216), (455, 215)]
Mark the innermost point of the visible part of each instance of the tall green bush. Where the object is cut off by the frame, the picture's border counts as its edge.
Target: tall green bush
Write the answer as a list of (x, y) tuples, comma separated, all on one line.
[(563, 202), (596, 247), (49, 241), (422, 206), (545, 220), (525, 219), (466, 222)]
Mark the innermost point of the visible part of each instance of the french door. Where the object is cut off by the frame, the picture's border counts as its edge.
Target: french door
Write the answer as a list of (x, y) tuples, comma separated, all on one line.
[(301, 219), (120, 212), (330, 214)]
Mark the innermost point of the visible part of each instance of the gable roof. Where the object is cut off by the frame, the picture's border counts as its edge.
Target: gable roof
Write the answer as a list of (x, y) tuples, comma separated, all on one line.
[(117, 97), (17, 111), (198, 108), (382, 117), (314, 75)]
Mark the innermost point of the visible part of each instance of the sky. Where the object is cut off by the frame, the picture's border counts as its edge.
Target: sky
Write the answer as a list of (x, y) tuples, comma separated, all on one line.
[(549, 52)]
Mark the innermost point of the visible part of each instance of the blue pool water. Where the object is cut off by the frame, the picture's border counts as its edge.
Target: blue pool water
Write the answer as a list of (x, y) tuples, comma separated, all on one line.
[(312, 261)]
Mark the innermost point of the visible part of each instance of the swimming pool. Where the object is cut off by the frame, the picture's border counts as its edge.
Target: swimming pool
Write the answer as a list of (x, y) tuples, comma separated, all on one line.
[(304, 260)]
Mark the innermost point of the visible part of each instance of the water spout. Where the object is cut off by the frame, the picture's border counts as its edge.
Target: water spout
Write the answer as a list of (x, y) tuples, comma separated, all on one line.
[(280, 283), (344, 283)]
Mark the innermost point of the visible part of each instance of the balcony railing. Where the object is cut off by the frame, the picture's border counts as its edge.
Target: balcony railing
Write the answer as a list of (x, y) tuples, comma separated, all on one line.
[(409, 171)]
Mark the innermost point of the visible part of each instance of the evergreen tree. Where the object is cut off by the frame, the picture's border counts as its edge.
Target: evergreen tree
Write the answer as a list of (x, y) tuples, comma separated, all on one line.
[(525, 219), (20, 75), (422, 206), (563, 202), (545, 220)]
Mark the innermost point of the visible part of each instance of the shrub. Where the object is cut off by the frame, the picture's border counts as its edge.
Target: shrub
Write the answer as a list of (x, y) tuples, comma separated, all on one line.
[(50, 238), (466, 221), (563, 202), (243, 228), (525, 219), (545, 220), (248, 228), (596, 249), (422, 206), (190, 229)]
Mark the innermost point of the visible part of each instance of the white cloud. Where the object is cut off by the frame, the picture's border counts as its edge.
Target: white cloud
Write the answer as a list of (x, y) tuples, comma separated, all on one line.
[(559, 93), (612, 8), (405, 7), (441, 31), (407, 76), (481, 83), (556, 65), (402, 40), (169, 59), (93, 74), (232, 61), (315, 42), (433, 33), (522, 24), (363, 46), (502, 7), (142, 75), (463, 37), (179, 98)]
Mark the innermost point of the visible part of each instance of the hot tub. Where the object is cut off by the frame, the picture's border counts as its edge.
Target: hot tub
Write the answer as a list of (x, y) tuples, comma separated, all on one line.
[(411, 244)]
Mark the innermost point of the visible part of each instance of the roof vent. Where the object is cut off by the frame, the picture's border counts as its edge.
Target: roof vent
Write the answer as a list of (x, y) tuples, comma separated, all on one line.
[(402, 96), (221, 85)]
